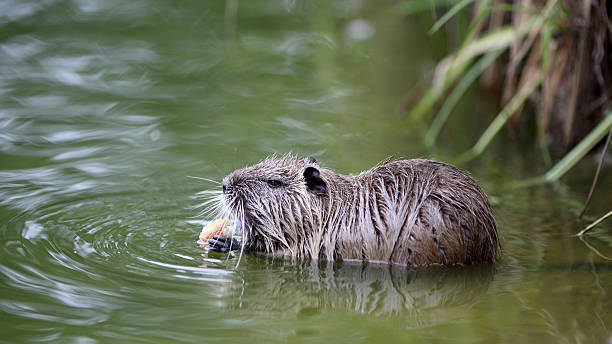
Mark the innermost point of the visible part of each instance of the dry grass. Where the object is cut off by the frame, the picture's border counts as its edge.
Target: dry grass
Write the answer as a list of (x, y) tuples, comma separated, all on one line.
[(555, 54)]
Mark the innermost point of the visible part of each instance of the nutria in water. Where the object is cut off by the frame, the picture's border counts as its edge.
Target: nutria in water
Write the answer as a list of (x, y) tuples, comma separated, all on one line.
[(413, 212)]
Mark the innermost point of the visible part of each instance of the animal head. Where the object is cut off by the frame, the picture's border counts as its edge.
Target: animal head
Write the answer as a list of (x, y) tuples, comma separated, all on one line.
[(273, 201)]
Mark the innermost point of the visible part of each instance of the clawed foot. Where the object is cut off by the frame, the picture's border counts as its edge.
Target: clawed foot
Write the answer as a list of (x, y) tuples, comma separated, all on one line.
[(223, 244)]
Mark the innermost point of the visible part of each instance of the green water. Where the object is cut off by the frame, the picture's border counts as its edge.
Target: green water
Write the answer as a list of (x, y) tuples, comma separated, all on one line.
[(107, 107)]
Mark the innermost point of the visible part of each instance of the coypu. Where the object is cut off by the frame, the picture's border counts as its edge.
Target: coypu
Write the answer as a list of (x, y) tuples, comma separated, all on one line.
[(413, 212)]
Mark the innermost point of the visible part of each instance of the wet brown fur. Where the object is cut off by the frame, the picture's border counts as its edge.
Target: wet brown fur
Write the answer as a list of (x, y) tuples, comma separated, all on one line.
[(413, 212)]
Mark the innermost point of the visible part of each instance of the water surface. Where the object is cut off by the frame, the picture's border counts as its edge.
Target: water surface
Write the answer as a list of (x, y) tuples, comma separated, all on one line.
[(107, 108)]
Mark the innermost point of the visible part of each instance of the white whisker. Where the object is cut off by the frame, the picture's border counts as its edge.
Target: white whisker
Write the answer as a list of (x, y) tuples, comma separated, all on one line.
[(205, 179)]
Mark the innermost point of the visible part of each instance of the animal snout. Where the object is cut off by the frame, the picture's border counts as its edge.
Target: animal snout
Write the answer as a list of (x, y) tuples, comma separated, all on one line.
[(225, 185), (231, 183)]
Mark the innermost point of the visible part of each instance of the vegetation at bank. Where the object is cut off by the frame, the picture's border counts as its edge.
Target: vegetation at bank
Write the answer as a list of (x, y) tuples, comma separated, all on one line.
[(551, 59)]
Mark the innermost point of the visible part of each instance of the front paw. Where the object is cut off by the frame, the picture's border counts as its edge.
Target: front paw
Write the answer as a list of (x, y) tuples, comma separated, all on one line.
[(223, 244)]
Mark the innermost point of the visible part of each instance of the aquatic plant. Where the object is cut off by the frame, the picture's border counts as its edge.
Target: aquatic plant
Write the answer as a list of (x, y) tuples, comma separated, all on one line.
[(554, 54)]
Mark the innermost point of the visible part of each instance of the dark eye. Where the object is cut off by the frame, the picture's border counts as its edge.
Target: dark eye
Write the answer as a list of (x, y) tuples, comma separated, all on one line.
[(273, 183)]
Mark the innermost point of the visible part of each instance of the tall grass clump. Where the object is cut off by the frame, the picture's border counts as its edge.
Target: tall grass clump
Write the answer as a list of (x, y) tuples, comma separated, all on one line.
[(555, 55)]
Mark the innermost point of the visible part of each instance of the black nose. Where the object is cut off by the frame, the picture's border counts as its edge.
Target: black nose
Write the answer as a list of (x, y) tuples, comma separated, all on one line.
[(224, 188)]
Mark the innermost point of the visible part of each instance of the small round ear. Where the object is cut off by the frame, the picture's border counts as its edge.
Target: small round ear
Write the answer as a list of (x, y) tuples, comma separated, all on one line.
[(310, 160), (314, 183)]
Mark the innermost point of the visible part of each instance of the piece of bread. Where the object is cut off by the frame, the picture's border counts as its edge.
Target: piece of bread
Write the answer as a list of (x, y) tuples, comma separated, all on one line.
[(217, 227)]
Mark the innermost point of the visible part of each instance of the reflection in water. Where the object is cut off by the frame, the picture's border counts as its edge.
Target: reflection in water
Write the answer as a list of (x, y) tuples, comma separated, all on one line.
[(424, 297)]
